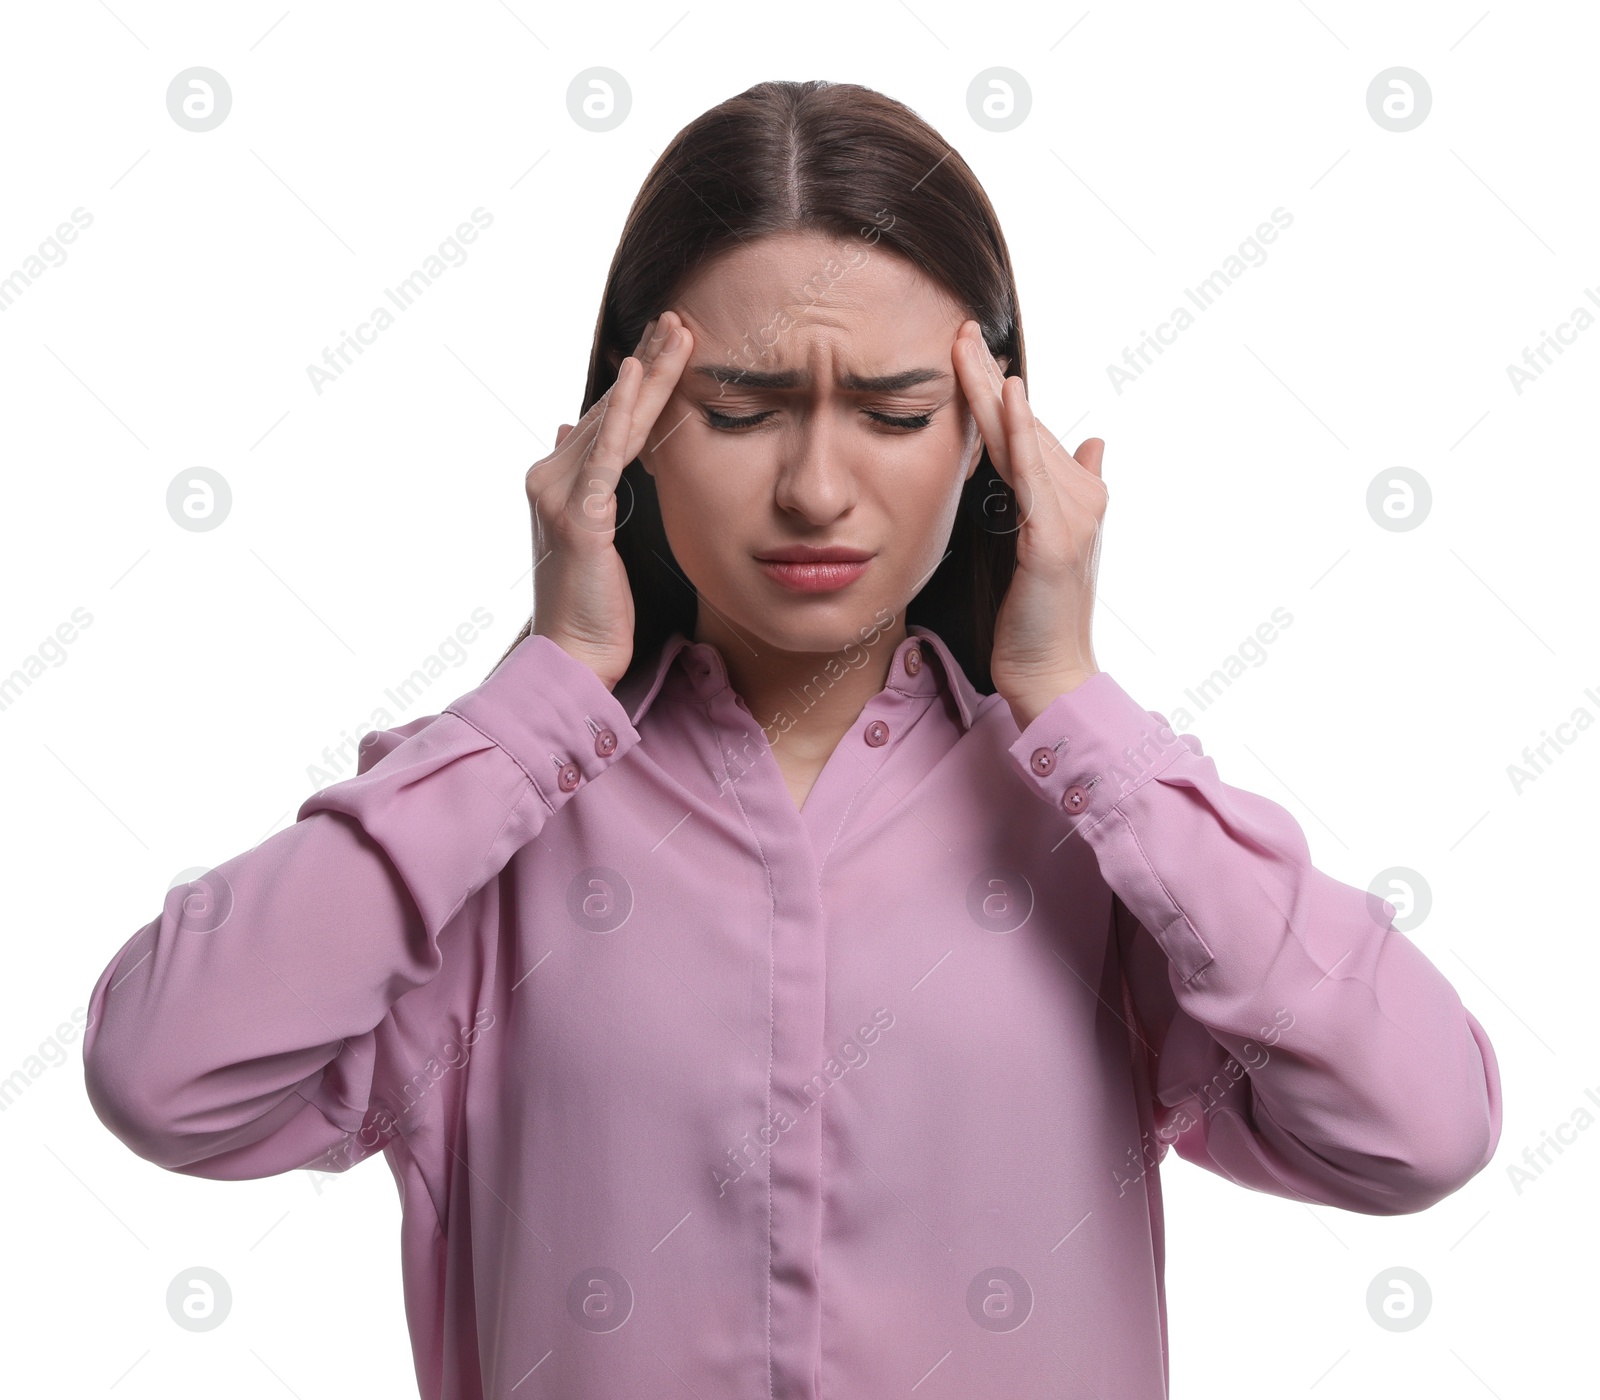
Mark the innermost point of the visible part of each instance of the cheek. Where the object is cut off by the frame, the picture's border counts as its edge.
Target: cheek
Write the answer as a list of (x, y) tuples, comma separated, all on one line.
[(923, 483), (708, 499)]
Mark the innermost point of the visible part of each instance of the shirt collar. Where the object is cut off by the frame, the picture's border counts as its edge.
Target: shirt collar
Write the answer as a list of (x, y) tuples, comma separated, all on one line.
[(706, 672)]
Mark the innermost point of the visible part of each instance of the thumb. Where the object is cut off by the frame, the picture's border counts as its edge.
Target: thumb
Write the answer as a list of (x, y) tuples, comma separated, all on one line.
[(1090, 453), (561, 433)]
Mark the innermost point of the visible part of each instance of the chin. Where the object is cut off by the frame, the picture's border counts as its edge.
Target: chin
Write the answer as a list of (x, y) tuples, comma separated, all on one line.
[(816, 624)]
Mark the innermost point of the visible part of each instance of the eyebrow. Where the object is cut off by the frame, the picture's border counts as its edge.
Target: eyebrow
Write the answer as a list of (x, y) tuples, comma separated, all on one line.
[(795, 379)]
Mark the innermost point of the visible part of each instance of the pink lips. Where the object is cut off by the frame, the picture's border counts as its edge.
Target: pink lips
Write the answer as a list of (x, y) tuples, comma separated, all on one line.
[(815, 578), (813, 569)]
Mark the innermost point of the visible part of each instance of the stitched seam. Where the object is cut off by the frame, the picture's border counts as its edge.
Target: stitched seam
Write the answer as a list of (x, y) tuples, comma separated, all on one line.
[(705, 705), (509, 754), (1154, 773), (1139, 846), (476, 882), (1087, 827)]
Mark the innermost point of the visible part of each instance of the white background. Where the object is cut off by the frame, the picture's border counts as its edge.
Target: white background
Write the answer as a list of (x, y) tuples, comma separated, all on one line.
[(368, 522)]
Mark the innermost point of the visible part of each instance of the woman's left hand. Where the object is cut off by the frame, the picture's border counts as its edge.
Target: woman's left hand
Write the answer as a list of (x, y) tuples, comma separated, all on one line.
[(1042, 645)]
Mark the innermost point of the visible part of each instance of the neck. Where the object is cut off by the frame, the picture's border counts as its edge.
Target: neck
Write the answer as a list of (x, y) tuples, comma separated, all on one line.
[(805, 700)]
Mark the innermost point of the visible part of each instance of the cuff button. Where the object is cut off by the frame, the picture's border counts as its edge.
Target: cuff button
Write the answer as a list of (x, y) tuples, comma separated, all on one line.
[(569, 777), (1043, 761), (605, 743), (1075, 798)]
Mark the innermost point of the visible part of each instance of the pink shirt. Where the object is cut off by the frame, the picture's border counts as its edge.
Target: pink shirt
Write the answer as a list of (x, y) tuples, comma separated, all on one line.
[(685, 1087)]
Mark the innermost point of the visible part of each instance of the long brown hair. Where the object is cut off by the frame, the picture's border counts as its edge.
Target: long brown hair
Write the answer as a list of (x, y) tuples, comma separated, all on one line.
[(841, 159)]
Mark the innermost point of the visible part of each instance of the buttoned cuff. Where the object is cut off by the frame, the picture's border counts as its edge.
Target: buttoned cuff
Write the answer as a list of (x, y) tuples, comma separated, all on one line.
[(553, 715), (1093, 746)]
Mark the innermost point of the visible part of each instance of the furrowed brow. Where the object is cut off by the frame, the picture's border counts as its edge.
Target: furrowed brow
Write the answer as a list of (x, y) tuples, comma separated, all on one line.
[(795, 379)]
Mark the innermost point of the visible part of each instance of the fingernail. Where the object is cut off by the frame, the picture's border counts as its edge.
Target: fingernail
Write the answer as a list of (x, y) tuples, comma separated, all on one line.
[(672, 340)]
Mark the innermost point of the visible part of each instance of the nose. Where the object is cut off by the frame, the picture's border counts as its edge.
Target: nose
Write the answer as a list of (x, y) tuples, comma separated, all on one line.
[(815, 478)]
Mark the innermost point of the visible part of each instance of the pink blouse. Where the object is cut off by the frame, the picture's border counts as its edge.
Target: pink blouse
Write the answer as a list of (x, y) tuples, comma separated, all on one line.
[(686, 1088)]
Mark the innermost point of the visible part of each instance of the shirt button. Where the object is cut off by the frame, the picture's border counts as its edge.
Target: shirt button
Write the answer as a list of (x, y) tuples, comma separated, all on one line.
[(877, 733), (913, 660), (1075, 798), (605, 743), (569, 777), (1043, 761)]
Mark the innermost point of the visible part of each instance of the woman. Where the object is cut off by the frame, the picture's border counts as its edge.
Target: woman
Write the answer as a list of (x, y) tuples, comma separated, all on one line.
[(784, 974)]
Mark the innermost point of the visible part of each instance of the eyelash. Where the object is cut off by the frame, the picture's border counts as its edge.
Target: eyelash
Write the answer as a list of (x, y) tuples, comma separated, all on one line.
[(729, 424)]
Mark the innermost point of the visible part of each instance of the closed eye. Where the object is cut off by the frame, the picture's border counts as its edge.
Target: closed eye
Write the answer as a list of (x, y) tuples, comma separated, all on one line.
[(733, 424)]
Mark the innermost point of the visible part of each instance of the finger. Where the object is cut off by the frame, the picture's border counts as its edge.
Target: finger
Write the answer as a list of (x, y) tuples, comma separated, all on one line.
[(649, 333), (594, 482), (664, 368), (1090, 453), (1032, 482), (983, 397), (572, 446)]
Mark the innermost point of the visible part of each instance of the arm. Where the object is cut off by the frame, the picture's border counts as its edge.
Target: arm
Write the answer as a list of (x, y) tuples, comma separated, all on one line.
[(1294, 1042), (233, 1036)]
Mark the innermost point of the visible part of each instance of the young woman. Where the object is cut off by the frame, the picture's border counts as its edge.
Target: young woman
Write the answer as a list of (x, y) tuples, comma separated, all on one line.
[(784, 974)]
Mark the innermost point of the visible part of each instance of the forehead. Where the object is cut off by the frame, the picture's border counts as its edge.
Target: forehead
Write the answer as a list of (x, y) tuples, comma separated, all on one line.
[(783, 295)]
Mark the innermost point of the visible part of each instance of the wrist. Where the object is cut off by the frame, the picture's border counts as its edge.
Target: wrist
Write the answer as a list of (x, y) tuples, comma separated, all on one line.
[(1028, 705)]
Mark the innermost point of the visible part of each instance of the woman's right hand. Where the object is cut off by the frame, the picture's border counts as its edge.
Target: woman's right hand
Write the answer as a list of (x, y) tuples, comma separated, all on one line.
[(581, 598)]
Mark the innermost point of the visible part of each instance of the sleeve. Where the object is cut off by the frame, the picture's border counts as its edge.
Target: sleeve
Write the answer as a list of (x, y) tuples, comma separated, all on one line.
[(234, 1035), (1293, 1040)]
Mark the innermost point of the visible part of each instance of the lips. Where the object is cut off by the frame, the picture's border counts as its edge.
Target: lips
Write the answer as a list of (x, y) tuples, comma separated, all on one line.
[(815, 554), (814, 568)]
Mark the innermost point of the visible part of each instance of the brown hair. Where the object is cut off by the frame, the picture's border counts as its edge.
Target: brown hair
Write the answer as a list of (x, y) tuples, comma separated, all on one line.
[(842, 159)]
